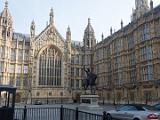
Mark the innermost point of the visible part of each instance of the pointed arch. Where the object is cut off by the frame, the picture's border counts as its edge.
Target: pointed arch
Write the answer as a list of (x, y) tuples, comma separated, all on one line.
[(50, 66)]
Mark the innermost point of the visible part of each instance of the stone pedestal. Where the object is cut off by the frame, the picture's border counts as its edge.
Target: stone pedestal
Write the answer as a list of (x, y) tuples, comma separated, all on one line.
[(90, 101)]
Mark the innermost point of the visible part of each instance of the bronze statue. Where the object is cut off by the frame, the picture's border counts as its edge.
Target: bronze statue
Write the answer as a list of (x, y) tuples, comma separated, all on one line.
[(90, 81)]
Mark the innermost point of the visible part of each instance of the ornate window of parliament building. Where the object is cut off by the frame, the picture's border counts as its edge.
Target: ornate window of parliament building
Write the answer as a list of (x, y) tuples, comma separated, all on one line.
[(50, 68)]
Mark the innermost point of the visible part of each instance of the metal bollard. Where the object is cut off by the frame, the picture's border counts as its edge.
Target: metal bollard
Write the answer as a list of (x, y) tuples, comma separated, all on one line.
[(76, 113), (104, 115), (25, 113), (61, 112)]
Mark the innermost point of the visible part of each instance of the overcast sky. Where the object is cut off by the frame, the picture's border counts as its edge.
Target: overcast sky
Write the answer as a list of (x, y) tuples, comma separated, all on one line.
[(75, 13)]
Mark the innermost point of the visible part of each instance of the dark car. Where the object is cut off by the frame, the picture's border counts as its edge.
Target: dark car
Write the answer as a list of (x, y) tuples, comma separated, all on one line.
[(157, 106), (38, 102)]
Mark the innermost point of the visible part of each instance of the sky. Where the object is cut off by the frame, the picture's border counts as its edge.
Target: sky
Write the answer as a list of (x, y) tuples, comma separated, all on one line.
[(73, 13)]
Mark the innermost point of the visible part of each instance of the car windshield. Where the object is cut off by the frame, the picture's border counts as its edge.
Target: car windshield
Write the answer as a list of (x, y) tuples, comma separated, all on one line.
[(148, 107)]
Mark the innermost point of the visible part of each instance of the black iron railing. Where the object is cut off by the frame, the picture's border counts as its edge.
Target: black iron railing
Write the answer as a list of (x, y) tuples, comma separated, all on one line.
[(89, 116), (54, 113)]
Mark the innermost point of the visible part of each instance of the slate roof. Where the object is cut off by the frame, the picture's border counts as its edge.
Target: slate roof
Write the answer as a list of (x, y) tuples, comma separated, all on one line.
[(21, 37)]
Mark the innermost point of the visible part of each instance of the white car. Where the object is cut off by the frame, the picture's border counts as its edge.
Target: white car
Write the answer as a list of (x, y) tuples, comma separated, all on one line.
[(134, 112)]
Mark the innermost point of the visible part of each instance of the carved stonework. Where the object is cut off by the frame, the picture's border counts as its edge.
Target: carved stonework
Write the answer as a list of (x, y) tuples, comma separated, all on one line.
[(48, 37), (147, 86)]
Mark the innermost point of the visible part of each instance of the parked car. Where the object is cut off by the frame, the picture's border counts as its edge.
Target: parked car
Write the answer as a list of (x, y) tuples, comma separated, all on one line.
[(38, 102), (134, 112), (157, 106)]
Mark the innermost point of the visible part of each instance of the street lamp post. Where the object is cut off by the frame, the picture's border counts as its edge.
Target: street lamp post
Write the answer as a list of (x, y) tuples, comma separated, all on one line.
[(61, 94), (127, 96), (114, 96), (5, 98), (47, 97), (103, 95)]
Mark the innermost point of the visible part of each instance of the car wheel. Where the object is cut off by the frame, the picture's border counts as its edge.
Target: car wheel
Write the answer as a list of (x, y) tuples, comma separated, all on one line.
[(109, 117), (136, 119)]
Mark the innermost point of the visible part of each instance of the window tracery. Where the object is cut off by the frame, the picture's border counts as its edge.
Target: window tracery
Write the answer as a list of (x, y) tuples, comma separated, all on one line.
[(50, 67)]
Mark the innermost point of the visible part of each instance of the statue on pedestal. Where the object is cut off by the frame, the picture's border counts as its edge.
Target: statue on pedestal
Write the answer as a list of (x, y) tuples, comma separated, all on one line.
[(90, 81), (90, 98)]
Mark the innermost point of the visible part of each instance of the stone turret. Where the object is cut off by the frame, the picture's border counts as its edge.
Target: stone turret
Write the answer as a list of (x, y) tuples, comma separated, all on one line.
[(51, 20), (68, 34), (68, 57), (89, 37), (151, 4), (141, 8), (6, 29), (89, 42), (102, 37), (121, 24), (68, 40), (111, 31), (32, 29)]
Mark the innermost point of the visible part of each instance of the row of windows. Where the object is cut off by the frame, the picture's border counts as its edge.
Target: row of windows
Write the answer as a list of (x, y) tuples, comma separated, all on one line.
[(147, 72), (121, 76), (22, 44), (76, 83), (118, 78), (144, 32), (20, 53), (146, 53), (18, 80), (12, 68), (132, 59), (130, 41), (132, 75), (76, 72), (77, 59), (120, 44), (12, 54), (18, 69), (21, 82)]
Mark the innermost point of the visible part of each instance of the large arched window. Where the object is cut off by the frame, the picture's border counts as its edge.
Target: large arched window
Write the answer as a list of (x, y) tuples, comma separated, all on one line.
[(50, 67)]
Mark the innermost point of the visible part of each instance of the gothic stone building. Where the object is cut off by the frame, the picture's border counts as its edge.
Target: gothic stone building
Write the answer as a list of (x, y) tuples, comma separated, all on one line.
[(50, 68), (46, 66), (128, 61)]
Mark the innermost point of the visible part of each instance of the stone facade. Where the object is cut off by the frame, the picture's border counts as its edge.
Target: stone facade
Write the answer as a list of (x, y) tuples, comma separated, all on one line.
[(46, 66), (26, 61), (127, 61), (50, 68)]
